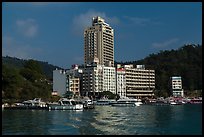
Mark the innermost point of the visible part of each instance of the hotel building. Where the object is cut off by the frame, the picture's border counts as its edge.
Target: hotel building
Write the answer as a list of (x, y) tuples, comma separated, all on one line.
[(140, 82), (99, 43)]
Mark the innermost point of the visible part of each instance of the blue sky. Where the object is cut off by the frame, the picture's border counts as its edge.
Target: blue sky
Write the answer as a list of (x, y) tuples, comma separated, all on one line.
[(53, 32)]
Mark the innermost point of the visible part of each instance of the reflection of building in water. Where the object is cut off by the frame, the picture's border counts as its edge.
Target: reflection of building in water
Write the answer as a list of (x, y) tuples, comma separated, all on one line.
[(107, 116)]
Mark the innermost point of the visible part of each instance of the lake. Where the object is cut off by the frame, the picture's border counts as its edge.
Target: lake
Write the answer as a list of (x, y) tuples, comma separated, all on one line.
[(106, 120)]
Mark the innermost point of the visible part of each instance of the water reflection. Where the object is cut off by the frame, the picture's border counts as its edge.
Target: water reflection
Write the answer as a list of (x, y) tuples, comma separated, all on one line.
[(105, 120), (25, 121)]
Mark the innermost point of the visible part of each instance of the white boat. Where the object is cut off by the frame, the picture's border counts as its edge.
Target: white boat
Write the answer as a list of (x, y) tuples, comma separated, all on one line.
[(175, 103), (88, 104), (33, 104), (66, 104), (125, 101), (104, 101)]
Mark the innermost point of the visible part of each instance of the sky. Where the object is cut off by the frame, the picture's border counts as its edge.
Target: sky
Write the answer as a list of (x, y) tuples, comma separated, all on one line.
[(53, 31)]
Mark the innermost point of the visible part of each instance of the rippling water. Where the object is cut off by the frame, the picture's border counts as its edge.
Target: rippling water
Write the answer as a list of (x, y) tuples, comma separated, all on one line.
[(106, 120)]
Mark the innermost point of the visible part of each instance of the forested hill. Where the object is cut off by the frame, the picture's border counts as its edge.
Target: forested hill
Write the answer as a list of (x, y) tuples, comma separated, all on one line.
[(185, 62), (19, 63)]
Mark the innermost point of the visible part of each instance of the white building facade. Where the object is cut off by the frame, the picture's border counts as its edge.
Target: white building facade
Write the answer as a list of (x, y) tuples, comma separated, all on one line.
[(109, 79), (140, 82), (176, 86), (98, 78), (92, 82), (120, 82)]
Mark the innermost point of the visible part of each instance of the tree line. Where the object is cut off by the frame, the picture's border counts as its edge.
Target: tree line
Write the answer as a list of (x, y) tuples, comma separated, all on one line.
[(27, 82)]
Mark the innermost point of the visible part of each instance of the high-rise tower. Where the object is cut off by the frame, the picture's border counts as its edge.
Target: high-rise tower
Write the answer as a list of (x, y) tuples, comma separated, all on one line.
[(99, 43)]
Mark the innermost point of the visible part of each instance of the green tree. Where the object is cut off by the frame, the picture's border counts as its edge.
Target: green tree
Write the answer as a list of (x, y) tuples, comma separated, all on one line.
[(11, 82), (33, 65)]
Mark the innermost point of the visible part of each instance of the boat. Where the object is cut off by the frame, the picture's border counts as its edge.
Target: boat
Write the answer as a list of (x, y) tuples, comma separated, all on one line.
[(88, 104), (196, 100), (104, 101), (174, 103), (125, 101), (36, 103), (66, 104)]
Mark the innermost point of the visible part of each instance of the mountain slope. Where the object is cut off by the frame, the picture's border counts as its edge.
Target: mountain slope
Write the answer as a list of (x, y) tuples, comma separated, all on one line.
[(19, 63)]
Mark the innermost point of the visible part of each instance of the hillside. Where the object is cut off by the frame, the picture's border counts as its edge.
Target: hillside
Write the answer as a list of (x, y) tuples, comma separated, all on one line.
[(185, 62), (19, 63)]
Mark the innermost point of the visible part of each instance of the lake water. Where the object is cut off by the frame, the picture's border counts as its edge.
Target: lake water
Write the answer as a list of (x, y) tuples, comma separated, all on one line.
[(106, 120)]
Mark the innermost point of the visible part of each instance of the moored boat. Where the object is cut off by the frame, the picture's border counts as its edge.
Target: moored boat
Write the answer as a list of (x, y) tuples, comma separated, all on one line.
[(66, 104), (104, 101), (125, 101), (88, 104), (196, 100), (35, 103)]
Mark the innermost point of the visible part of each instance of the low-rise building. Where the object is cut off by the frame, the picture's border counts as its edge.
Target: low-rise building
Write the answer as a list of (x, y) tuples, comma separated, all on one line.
[(92, 82), (176, 86), (140, 82), (59, 82), (67, 81), (109, 82), (98, 78), (120, 82)]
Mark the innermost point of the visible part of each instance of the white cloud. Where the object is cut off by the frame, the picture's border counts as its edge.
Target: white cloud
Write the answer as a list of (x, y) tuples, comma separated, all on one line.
[(27, 27), (138, 20), (79, 59), (14, 48), (165, 44), (43, 4), (40, 3), (85, 19), (142, 21)]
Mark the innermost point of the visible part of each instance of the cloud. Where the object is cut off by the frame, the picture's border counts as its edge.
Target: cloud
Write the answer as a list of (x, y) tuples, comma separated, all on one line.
[(142, 21), (138, 20), (79, 60), (14, 48), (43, 4), (27, 27), (40, 3), (165, 44), (85, 19)]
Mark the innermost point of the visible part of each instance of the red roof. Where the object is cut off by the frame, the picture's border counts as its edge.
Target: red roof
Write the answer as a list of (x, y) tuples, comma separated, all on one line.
[(120, 69)]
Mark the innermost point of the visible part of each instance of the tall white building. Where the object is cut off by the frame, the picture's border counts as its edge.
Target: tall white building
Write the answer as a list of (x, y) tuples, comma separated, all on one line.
[(99, 43), (176, 86)]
